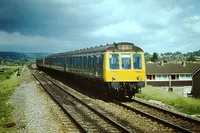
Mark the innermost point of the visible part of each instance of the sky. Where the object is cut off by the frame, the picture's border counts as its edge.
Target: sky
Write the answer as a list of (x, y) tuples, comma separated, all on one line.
[(52, 26)]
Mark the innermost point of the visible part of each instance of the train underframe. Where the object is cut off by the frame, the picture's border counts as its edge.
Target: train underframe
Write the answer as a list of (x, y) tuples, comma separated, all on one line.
[(123, 90), (117, 90)]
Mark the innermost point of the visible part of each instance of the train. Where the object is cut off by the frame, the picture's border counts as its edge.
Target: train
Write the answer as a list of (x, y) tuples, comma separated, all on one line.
[(118, 68)]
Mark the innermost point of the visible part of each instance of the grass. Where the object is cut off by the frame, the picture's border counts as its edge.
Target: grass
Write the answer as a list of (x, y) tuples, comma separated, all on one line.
[(8, 71), (11, 67), (7, 84), (186, 105)]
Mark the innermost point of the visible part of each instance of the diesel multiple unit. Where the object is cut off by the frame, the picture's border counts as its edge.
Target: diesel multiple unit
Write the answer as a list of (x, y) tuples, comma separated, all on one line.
[(119, 67)]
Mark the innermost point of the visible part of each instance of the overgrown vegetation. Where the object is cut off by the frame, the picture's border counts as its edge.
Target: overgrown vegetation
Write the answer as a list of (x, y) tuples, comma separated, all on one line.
[(183, 104), (7, 84), (9, 62), (8, 71)]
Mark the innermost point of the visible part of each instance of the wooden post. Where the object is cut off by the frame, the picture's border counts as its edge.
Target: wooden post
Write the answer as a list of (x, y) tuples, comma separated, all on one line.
[(170, 84)]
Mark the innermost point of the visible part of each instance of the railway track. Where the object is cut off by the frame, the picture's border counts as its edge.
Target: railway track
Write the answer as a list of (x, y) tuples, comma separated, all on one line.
[(178, 121), (114, 127), (177, 128), (86, 118)]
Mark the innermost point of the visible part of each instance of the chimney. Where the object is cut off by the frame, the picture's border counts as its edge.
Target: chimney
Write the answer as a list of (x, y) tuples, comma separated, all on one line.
[(183, 63), (161, 63)]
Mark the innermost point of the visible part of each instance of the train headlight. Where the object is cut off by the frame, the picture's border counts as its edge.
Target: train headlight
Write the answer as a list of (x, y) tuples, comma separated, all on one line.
[(113, 78), (138, 77)]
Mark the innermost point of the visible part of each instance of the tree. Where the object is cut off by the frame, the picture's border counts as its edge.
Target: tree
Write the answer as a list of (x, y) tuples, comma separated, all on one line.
[(146, 54), (177, 53), (23, 61), (191, 58), (154, 58), (1, 60), (147, 57)]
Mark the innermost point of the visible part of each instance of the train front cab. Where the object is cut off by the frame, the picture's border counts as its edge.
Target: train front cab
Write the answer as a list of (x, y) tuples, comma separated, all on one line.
[(124, 72)]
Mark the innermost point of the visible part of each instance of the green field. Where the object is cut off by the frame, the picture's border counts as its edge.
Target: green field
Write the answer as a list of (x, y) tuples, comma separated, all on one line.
[(7, 84), (186, 105)]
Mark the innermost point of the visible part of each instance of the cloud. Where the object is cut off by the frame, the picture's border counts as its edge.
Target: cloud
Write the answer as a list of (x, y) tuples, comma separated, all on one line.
[(193, 27), (17, 38), (195, 17), (19, 42), (119, 29), (63, 25)]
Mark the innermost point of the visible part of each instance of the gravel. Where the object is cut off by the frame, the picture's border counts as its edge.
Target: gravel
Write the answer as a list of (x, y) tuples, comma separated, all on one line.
[(139, 123), (167, 107), (34, 111)]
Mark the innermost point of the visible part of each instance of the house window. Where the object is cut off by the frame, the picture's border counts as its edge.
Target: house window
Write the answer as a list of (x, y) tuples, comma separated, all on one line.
[(185, 77), (150, 77), (153, 77), (161, 77), (174, 77), (189, 77)]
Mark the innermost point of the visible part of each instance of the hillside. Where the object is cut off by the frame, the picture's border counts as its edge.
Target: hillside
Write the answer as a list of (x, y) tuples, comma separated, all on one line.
[(176, 56), (15, 56)]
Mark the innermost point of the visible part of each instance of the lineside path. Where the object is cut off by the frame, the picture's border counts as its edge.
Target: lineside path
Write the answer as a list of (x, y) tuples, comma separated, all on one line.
[(34, 111)]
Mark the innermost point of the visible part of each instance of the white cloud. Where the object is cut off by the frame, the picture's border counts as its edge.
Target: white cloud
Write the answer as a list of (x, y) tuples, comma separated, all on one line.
[(133, 18), (193, 27), (120, 29), (195, 17)]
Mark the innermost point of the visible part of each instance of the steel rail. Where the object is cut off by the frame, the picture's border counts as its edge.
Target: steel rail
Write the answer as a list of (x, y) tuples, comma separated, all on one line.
[(167, 111), (120, 127), (81, 128), (117, 125), (175, 127)]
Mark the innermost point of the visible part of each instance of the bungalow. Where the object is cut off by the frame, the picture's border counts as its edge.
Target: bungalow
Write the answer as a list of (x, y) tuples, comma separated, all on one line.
[(171, 76), (196, 83)]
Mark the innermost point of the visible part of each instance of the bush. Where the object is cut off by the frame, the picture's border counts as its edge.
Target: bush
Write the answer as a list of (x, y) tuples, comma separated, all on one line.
[(6, 75), (8, 72)]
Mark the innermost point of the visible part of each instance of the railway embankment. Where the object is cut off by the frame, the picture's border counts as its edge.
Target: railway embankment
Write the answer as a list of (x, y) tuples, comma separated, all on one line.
[(184, 105), (7, 84), (32, 109)]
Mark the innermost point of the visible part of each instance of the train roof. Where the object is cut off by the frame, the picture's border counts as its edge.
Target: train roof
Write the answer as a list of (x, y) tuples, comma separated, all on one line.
[(101, 48)]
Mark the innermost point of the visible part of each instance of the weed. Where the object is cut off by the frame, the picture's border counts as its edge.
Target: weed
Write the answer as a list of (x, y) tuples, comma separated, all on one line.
[(6, 89)]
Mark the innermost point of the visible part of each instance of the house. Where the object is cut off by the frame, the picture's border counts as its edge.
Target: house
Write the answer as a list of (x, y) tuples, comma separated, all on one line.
[(171, 76), (196, 83)]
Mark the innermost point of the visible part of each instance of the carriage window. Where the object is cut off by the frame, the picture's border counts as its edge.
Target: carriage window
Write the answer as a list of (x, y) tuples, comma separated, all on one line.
[(126, 60), (137, 61), (114, 61)]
